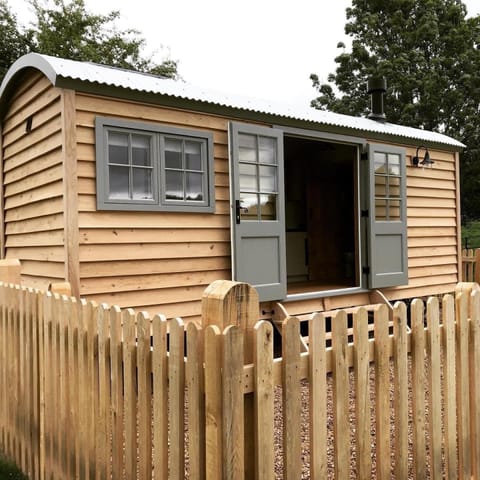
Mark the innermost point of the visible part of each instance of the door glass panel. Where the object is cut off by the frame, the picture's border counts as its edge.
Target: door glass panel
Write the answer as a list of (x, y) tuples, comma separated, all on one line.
[(394, 210), (248, 177), (394, 187), (268, 207), (247, 151), (381, 209), (268, 179), (394, 164), (267, 150), (380, 163), (380, 186), (258, 177), (387, 187), (248, 206)]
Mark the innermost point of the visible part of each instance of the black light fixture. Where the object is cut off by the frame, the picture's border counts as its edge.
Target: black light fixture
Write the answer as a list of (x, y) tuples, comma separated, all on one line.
[(426, 162)]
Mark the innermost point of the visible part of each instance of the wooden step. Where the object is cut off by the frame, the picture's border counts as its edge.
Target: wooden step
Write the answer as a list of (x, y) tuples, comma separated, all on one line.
[(282, 311)]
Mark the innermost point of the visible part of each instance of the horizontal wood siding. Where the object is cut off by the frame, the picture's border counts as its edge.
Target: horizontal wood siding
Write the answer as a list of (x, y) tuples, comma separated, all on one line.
[(432, 228), (159, 262), (32, 173), (162, 262)]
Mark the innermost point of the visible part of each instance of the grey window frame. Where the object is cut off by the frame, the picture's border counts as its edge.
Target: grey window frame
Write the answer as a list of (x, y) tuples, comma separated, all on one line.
[(158, 132)]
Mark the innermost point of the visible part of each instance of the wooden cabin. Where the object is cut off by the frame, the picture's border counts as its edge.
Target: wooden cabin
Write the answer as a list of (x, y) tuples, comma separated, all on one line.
[(140, 191)]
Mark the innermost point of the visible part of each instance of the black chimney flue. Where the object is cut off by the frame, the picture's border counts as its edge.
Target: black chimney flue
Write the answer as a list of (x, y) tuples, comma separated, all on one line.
[(376, 87)]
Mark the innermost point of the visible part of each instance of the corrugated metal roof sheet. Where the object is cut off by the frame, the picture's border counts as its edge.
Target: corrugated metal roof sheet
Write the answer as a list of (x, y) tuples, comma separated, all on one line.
[(57, 69)]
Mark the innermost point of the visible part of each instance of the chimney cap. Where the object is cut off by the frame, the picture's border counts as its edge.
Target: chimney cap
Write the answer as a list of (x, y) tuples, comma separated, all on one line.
[(377, 84), (377, 87)]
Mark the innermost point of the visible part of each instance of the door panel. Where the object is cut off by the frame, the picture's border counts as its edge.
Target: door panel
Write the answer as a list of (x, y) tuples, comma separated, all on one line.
[(257, 201), (387, 217)]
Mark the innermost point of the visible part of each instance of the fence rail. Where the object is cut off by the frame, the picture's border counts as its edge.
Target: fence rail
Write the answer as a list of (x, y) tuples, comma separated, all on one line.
[(470, 260), (88, 391)]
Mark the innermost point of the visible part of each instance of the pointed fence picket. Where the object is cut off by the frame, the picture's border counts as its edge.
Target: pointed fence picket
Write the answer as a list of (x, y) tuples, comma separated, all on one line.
[(470, 262), (92, 392)]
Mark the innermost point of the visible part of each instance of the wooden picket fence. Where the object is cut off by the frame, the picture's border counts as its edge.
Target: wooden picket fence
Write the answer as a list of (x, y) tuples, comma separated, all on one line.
[(92, 392), (470, 260)]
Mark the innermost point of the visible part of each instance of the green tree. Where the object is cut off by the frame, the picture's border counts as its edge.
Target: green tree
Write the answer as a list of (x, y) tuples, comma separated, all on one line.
[(67, 29), (430, 54), (13, 43)]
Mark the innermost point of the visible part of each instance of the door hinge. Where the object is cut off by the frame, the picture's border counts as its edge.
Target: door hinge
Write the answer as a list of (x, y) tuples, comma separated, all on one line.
[(364, 213), (366, 270), (364, 156)]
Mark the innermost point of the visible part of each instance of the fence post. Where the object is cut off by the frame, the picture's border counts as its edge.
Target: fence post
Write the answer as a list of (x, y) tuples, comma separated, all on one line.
[(226, 303), (10, 271), (467, 288), (476, 266)]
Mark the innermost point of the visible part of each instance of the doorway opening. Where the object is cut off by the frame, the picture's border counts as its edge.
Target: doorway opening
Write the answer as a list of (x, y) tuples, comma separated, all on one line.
[(322, 215)]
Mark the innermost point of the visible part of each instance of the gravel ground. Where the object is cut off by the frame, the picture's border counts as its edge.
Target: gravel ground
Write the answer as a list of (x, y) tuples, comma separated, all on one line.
[(305, 446), (330, 435)]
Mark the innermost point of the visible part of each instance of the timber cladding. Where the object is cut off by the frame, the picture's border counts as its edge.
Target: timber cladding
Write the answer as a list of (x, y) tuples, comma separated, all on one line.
[(162, 261), (156, 261), (433, 226), (33, 181)]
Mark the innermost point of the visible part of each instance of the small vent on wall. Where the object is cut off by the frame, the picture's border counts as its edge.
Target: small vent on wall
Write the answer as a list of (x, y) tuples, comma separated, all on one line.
[(28, 124)]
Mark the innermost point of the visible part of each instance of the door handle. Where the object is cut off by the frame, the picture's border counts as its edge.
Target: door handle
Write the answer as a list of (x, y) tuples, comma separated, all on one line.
[(238, 210)]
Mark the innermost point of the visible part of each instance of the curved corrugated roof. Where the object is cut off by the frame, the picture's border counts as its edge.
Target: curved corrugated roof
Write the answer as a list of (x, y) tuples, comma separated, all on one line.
[(60, 70)]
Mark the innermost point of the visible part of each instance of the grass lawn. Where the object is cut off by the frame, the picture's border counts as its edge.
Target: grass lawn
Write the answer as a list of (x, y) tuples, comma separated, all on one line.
[(8, 471), (471, 234)]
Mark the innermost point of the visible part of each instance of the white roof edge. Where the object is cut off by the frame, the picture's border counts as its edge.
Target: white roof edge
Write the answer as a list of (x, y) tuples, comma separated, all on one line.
[(30, 60), (55, 69)]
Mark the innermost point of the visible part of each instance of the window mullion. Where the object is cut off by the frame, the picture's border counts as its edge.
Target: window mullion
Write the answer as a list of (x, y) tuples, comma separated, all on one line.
[(130, 167), (184, 169)]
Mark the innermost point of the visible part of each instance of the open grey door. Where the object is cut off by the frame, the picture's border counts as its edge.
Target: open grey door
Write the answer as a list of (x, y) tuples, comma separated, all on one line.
[(387, 217), (258, 212)]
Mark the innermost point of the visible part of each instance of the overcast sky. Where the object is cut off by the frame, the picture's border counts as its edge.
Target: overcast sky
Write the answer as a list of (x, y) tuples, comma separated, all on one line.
[(258, 48)]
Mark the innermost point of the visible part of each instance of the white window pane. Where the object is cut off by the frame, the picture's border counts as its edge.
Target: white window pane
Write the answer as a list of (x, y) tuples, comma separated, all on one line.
[(194, 186), (174, 185), (247, 151), (248, 177), (380, 160), (117, 147), (380, 209), (248, 206), (141, 150), (118, 139), (173, 153), (394, 210), (142, 184), (119, 182), (268, 207), (267, 150), (268, 179), (393, 164), (394, 187), (193, 155), (248, 141)]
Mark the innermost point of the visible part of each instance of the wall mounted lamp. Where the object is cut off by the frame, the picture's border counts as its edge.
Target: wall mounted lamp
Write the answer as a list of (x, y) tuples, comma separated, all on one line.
[(426, 162)]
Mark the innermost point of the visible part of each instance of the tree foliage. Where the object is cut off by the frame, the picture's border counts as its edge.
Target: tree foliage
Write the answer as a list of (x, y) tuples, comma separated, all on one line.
[(13, 43), (429, 51), (66, 29)]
